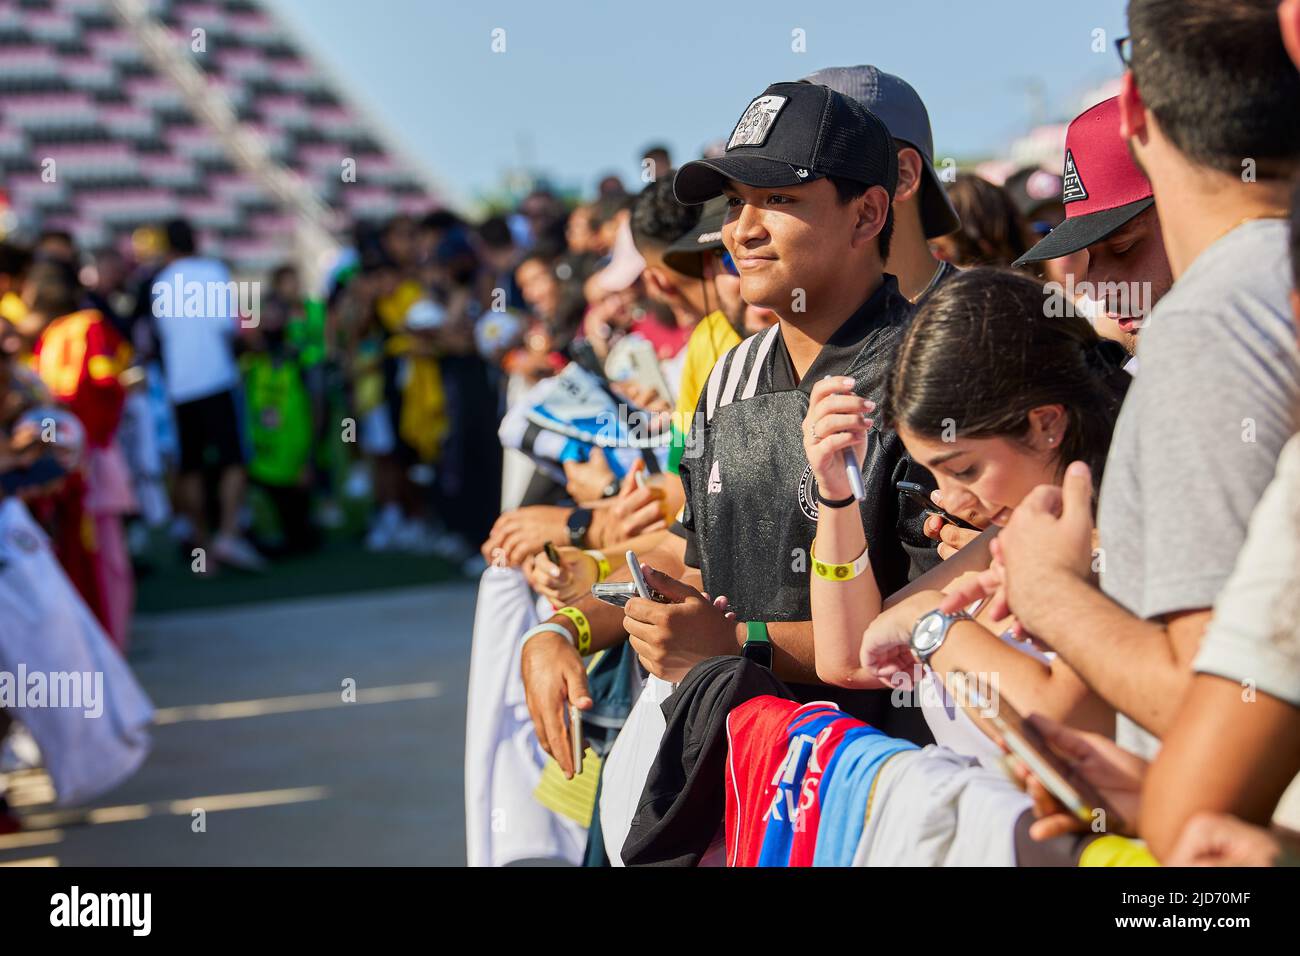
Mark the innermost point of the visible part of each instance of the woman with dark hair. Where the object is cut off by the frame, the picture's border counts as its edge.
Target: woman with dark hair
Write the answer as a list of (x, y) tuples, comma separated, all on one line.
[(992, 232), (996, 387)]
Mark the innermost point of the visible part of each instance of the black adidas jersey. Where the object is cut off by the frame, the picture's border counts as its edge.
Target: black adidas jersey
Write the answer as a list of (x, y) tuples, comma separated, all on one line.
[(751, 506)]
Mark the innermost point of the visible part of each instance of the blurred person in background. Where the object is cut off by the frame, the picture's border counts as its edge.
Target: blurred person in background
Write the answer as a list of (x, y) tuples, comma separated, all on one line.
[(610, 186), (278, 417), (432, 229), (557, 308), (80, 357), (1037, 194), (499, 257), (400, 522), (14, 261), (469, 460), (56, 244), (198, 361), (106, 289), (992, 231), (657, 161)]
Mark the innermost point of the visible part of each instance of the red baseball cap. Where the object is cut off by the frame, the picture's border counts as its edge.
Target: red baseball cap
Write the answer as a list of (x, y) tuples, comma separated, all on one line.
[(1102, 187)]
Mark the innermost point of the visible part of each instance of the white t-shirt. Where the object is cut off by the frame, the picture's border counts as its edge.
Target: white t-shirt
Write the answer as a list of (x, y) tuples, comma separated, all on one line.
[(195, 305), (951, 726), (1255, 633)]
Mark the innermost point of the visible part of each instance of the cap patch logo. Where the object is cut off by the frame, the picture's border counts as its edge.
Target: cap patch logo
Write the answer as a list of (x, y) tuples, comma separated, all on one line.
[(1072, 187), (757, 122)]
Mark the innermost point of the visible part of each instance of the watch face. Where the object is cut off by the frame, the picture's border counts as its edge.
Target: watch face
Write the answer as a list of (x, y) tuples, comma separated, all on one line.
[(760, 652), (928, 632)]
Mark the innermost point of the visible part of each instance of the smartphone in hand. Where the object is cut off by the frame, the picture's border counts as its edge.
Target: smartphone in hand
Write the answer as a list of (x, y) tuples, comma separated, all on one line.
[(918, 495), (1028, 745), (642, 589), (617, 593), (576, 738)]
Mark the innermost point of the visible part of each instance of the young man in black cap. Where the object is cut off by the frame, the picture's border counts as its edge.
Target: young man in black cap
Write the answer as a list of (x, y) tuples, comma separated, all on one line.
[(809, 175)]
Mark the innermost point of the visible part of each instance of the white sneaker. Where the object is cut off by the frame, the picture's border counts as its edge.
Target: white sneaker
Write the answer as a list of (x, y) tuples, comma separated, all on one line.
[(416, 537), (451, 547), (237, 553), (357, 485)]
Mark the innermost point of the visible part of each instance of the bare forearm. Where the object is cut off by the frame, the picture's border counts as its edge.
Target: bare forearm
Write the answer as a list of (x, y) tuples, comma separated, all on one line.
[(1027, 684), (646, 546), (606, 620), (974, 557), (1129, 662), (1227, 751), (842, 610)]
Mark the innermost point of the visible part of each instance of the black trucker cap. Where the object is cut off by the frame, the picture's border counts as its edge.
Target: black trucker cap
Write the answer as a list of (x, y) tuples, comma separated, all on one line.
[(793, 134)]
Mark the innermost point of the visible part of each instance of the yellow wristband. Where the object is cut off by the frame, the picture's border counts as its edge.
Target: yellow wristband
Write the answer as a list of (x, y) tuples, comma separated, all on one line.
[(602, 564), (839, 572), (583, 625)]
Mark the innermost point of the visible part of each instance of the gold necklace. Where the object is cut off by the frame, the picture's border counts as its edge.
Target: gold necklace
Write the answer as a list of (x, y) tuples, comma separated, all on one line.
[(1285, 214)]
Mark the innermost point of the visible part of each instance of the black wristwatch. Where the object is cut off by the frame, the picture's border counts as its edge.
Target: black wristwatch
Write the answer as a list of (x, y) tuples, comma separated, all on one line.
[(579, 523), (757, 646)]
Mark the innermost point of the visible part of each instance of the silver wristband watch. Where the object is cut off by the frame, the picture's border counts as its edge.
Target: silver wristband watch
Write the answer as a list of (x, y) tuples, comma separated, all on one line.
[(930, 631)]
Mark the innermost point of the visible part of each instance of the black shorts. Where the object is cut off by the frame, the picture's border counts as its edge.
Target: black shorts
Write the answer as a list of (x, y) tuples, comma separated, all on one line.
[(209, 432)]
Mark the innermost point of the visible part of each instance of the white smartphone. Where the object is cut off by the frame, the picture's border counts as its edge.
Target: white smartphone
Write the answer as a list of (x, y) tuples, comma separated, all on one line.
[(638, 578), (575, 737)]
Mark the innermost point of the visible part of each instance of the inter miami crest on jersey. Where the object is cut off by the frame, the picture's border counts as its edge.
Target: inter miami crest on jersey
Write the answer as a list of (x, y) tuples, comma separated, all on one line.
[(751, 509), (1072, 187)]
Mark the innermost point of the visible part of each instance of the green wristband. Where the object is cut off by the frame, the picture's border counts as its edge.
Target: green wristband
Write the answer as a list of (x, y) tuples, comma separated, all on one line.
[(756, 631)]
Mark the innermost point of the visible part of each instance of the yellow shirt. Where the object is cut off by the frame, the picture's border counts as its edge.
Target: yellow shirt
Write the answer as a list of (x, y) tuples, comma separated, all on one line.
[(392, 314), (12, 309), (711, 340)]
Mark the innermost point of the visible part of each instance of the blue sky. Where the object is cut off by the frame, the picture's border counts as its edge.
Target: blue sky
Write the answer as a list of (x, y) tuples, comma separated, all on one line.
[(583, 85)]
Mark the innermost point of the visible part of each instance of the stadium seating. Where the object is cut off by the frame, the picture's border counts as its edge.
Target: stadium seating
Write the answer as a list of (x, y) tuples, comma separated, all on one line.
[(93, 139)]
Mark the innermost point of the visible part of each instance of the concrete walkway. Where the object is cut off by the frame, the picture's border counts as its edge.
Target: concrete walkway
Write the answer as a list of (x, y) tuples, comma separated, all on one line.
[(253, 730)]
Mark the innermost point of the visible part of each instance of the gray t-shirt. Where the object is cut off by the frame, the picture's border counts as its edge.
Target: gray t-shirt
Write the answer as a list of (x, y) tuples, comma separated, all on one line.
[(1199, 436)]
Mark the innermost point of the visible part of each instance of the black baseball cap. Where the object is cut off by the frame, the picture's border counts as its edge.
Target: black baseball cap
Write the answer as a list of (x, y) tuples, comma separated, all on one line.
[(686, 254), (795, 133)]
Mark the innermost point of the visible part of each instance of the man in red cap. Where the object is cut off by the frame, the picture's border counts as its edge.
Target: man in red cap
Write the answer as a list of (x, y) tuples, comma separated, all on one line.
[(1109, 213)]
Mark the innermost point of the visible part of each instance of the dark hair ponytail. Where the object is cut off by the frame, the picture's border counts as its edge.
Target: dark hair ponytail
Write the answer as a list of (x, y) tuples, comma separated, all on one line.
[(988, 347)]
